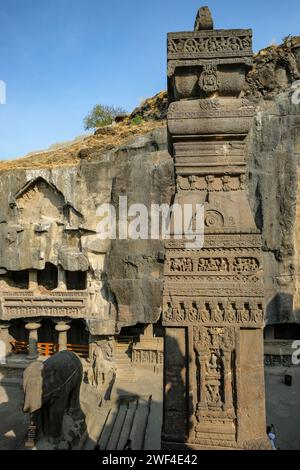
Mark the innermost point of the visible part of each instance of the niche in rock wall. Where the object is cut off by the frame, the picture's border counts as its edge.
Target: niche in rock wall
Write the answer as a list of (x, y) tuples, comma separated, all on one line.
[(40, 202), (76, 280), (19, 279), (48, 277)]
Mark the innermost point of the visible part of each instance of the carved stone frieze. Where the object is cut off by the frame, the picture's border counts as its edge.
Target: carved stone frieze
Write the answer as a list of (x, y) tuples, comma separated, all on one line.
[(245, 265), (71, 304), (244, 311), (215, 43), (147, 356), (211, 182), (220, 240)]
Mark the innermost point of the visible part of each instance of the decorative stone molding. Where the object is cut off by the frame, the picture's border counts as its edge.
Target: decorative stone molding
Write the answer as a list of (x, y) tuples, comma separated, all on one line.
[(147, 356), (210, 44), (211, 183), (218, 310), (58, 304), (149, 350)]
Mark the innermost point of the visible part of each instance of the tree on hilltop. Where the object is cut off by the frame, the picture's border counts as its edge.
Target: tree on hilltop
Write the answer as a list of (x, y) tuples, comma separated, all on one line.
[(102, 115)]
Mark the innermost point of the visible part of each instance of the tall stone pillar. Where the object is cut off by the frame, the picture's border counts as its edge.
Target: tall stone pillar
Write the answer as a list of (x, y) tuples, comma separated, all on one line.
[(32, 328), (33, 283), (61, 279), (62, 328), (213, 302)]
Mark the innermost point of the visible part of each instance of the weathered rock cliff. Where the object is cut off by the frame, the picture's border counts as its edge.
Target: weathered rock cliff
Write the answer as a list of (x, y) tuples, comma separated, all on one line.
[(124, 276), (273, 151)]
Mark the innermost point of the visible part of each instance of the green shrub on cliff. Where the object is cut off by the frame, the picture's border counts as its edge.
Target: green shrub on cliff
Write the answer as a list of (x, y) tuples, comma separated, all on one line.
[(101, 115)]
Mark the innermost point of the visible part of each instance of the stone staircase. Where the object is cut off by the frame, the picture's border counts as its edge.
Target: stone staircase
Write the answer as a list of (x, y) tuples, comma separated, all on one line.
[(117, 421), (125, 369)]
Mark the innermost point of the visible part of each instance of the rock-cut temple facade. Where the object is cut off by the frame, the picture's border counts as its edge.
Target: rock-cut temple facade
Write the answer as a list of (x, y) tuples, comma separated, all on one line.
[(189, 330)]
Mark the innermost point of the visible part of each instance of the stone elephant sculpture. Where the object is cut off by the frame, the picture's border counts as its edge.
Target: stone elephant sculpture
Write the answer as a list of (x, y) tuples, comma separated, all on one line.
[(52, 388)]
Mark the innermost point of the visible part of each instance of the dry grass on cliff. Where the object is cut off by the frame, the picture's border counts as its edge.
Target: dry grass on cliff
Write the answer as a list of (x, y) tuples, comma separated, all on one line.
[(67, 154)]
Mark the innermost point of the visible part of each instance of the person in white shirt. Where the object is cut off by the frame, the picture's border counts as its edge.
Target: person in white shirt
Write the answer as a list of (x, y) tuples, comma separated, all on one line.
[(271, 436)]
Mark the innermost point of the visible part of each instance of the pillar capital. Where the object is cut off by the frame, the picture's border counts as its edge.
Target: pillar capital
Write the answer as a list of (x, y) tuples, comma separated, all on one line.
[(33, 284), (61, 279), (62, 326), (31, 326), (4, 325)]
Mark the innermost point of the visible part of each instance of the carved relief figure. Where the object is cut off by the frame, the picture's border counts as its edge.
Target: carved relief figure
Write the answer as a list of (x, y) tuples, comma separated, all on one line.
[(245, 316), (218, 313), (193, 313), (205, 312), (209, 81), (168, 314), (212, 366), (230, 313), (213, 394)]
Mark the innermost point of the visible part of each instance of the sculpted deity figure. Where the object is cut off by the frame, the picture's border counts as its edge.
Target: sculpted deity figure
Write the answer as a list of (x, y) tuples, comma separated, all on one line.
[(204, 313), (218, 313), (201, 264), (169, 312), (188, 265), (230, 313), (212, 366), (193, 313), (224, 265), (176, 265), (212, 264), (213, 394)]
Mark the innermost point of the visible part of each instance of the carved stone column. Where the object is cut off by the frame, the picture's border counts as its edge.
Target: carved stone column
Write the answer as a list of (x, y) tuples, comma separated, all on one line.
[(33, 284), (62, 328), (148, 332), (32, 328), (202, 359), (61, 279), (213, 300)]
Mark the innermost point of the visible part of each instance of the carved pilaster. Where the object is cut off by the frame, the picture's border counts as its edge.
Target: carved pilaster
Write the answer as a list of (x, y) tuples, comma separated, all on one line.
[(216, 293)]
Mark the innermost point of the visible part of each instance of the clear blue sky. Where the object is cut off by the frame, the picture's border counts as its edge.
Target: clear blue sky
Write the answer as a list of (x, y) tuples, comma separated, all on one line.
[(60, 57)]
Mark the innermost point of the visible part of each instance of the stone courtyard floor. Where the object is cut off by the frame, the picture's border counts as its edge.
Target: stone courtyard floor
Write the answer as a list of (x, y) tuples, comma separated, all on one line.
[(283, 407)]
